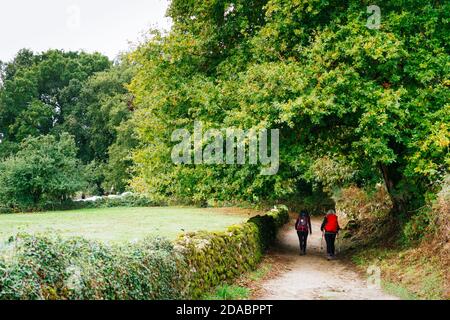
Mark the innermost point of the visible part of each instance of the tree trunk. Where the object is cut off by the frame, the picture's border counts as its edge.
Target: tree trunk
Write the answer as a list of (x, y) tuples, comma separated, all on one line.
[(392, 177)]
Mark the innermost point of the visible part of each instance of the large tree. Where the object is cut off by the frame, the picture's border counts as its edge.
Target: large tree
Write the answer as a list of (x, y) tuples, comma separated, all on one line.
[(103, 107), (82, 94), (39, 92), (373, 102)]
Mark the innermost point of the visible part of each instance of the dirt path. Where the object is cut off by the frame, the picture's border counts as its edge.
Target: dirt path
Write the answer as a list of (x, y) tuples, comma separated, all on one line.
[(312, 277)]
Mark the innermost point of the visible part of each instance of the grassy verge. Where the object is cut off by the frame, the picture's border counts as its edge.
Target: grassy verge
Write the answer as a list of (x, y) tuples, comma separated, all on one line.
[(412, 273), (399, 291)]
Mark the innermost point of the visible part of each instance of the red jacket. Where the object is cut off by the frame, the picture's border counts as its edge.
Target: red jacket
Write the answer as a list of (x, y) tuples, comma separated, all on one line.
[(330, 224)]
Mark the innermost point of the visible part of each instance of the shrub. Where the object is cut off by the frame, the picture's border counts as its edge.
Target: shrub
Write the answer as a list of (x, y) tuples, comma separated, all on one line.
[(441, 207), (364, 214), (54, 268), (432, 220), (4, 210), (418, 226), (44, 172), (358, 204), (131, 200)]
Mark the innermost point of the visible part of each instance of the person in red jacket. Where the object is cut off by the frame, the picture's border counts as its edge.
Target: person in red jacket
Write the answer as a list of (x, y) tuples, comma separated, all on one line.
[(330, 227), (303, 227)]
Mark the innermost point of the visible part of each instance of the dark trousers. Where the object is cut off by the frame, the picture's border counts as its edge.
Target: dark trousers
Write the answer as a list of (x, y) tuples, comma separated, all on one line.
[(303, 238), (330, 238)]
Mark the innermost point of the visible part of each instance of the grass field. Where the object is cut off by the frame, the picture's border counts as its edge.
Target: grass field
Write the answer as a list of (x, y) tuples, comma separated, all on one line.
[(121, 224)]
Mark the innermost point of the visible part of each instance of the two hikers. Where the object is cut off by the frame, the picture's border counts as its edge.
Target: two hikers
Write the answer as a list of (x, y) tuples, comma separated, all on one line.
[(330, 228), (303, 227)]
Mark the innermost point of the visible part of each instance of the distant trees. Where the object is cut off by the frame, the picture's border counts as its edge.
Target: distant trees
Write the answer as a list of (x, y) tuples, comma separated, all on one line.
[(40, 92), (102, 109), (55, 94)]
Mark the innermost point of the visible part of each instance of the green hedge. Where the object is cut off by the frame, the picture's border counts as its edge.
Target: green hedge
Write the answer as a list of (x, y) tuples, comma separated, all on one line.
[(35, 268), (132, 200), (45, 267), (213, 258)]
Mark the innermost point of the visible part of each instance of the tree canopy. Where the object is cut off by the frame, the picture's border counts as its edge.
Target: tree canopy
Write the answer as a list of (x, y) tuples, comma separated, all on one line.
[(39, 92), (365, 104), (81, 94), (353, 105)]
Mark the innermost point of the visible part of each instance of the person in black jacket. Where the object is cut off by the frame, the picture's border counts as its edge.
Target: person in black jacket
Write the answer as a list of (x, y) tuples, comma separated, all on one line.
[(303, 227)]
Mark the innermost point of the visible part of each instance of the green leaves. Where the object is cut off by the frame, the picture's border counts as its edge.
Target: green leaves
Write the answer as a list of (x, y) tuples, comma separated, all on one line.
[(44, 172), (81, 94), (52, 268), (39, 91), (372, 98)]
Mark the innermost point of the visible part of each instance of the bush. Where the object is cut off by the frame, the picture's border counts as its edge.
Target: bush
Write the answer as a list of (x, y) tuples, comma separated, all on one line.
[(131, 200), (41, 267), (4, 210), (418, 226), (54, 268), (358, 204), (432, 220), (364, 214), (441, 208), (44, 172)]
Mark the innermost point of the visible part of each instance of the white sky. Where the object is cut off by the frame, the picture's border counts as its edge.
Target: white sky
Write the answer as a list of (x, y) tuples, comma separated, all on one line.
[(106, 26)]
